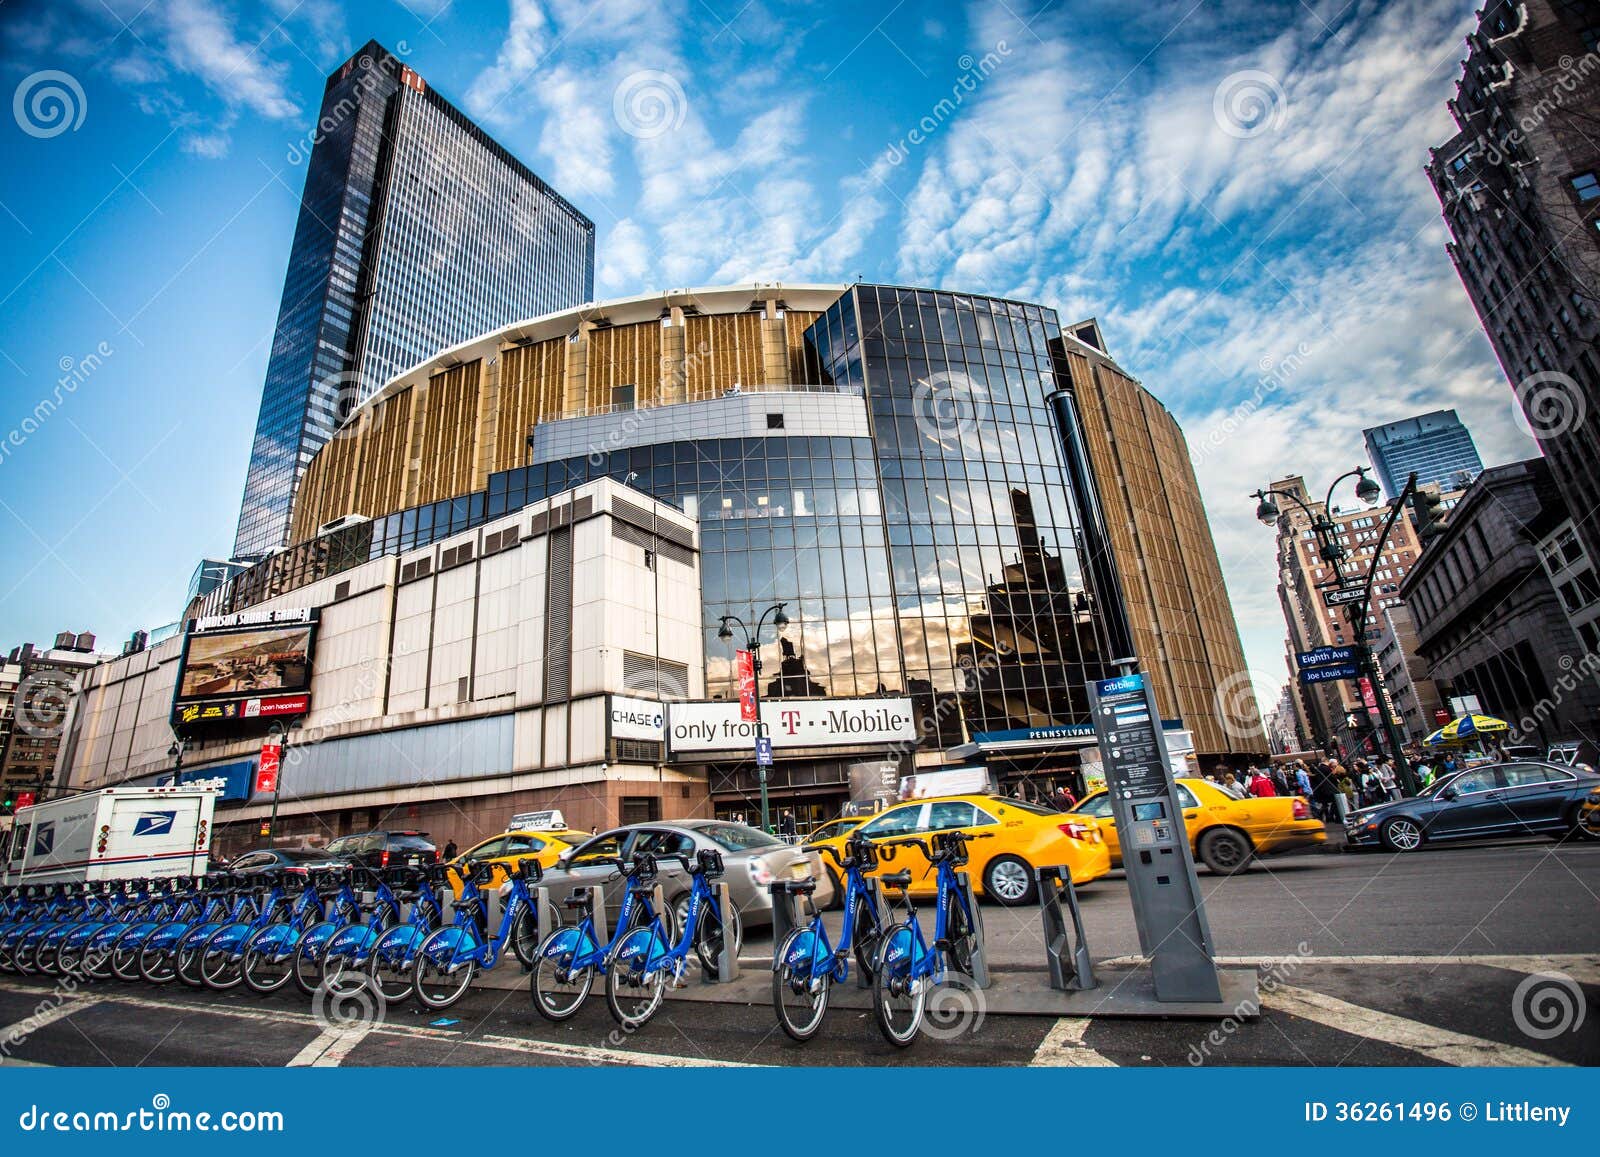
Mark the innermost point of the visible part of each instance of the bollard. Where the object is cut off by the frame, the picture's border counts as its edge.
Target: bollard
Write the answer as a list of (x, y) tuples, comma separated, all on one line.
[(545, 916), (1055, 893), (728, 958), (980, 956), (784, 917), (597, 913)]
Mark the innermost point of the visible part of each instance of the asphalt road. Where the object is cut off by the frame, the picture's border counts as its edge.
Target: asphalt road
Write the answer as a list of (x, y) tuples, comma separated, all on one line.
[(1363, 960)]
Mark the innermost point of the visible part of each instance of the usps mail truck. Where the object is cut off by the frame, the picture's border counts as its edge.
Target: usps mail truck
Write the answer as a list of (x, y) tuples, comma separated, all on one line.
[(115, 834)]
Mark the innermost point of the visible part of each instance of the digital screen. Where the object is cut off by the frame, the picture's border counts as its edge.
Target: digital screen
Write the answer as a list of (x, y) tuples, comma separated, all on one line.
[(1150, 811), (264, 661)]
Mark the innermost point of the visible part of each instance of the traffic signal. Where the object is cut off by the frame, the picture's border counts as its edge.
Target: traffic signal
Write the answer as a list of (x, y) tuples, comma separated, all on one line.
[(8, 805), (1427, 511)]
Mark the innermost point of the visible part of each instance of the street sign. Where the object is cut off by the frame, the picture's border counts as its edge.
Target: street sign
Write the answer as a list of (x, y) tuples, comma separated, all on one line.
[(1309, 675), (1168, 907), (746, 666), (764, 752), (1325, 657), (1344, 596)]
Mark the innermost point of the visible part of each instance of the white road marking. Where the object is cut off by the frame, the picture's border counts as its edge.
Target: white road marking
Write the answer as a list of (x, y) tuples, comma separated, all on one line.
[(330, 1047), (592, 1054), (1063, 1046), (1582, 967), (1438, 1044), (42, 1016)]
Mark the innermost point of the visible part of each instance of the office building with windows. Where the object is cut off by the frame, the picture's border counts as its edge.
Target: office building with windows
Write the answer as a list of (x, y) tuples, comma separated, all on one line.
[(416, 231), (1520, 188), (1437, 445), (937, 486)]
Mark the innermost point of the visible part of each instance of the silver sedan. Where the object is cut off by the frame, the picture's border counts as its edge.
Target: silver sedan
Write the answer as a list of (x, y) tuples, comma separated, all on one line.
[(751, 859)]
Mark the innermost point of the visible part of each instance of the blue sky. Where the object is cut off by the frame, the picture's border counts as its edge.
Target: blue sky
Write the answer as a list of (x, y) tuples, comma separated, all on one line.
[(1234, 188)]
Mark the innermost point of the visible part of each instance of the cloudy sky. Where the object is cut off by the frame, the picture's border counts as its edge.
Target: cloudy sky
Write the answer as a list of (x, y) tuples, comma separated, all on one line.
[(1233, 188)]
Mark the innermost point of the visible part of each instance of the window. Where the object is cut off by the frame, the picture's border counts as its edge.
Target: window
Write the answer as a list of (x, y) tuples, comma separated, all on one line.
[(1586, 186), (950, 813), (774, 421), (664, 843), (897, 822), (599, 851)]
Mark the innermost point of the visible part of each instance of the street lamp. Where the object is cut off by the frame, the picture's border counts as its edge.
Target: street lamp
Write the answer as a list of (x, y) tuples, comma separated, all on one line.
[(1358, 611), (175, 753), (752, 643)]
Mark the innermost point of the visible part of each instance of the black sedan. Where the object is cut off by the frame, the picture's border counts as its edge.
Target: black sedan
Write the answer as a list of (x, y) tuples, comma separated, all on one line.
[(1492, 801), (306, 859)]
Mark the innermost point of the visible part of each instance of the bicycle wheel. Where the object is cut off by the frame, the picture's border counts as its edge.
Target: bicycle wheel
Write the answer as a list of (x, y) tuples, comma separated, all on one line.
[(221, 965), (958, 930), (47, 954), (188, 960), (25, 958), (156, 965), (525, 938), (95, 962), (125, 951), (308, 955), (389, 965), (444, 968), (633, 994), (898, 997), (268, 959), (712, 929), (865, 934), (557, 994), (344, 955), (799, 998)]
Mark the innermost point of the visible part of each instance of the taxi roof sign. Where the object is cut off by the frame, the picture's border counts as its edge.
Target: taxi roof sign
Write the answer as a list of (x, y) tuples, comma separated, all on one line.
[(545, 821)]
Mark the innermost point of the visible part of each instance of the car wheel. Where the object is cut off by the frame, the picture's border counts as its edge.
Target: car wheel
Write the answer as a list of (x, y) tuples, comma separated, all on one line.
[(1009, 881), (1401, 834), (1225, 851), (1584, 825)]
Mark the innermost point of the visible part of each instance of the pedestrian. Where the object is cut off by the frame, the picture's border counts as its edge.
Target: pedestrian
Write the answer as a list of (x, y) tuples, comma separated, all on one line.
[(1231, 785), (1323, 791), (1302, 778), (786, 827), (1280, 780), (1386, 781), (1345, 790), (1262, 787), (450, 849), (1064, 799)]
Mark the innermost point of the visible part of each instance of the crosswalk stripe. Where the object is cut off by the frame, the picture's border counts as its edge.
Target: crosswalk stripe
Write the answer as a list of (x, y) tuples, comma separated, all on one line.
[(329, 1048), (1440, 1045), (13, 1034), (1063, 1046)]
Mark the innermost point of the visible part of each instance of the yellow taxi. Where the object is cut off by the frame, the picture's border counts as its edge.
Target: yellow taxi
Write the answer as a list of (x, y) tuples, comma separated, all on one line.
[(842, 826), (503, 850), (1589, 816), (1226, 833), (1025, 836)]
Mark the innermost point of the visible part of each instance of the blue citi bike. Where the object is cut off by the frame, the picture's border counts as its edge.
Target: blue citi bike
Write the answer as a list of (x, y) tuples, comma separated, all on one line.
[(389, 960), (345, 909), (267, 954), (569, 958), (908, 967), (449, 957), (805, 966), (348, 953), (646, 958)]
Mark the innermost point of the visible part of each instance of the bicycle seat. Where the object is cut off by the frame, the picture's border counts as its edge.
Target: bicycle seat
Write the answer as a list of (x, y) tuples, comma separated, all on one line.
[(900, 880), (580, 899), (796, 887)]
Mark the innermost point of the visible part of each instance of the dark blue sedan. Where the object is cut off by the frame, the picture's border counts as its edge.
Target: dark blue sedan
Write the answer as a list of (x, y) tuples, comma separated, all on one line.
[(1494, 800)]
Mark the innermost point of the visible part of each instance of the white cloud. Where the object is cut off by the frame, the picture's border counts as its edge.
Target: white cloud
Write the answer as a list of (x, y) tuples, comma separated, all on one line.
[(201, 41)]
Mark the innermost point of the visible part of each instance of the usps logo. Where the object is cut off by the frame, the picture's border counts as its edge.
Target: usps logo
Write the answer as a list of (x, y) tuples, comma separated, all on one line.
[(44, 839), (154, 823)]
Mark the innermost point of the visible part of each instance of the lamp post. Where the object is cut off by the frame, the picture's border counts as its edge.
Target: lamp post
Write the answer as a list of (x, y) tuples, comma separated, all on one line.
[(175, 753), (752, 643), (1335, 555)]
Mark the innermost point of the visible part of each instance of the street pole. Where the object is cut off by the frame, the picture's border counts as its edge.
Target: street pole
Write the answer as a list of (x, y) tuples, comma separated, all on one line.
[(277, 788), (761, 768)]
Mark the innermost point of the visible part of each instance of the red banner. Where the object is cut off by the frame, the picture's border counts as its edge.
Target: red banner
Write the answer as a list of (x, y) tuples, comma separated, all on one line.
[(267, 769), (25, 799), (746, 668), (1367, 696)]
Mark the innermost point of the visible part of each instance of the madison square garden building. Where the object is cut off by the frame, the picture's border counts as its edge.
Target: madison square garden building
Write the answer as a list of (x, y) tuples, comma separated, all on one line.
[(967, 510)]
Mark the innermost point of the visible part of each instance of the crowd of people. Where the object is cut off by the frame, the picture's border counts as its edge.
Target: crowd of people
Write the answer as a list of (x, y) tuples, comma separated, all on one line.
[(1333, 789)]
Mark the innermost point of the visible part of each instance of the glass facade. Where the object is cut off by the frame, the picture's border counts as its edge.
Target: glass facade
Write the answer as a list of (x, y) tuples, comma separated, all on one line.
[(1437, 446), (954, 554), (416, 232)]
